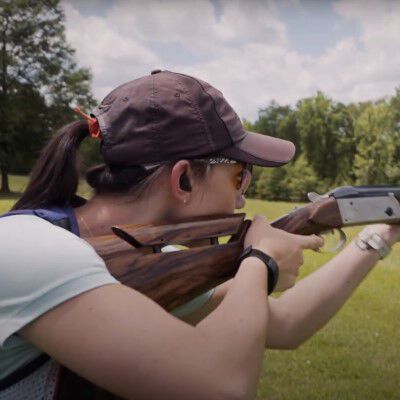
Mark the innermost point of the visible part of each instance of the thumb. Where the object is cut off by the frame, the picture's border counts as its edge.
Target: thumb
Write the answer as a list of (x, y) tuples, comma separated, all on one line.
[(313, 242)]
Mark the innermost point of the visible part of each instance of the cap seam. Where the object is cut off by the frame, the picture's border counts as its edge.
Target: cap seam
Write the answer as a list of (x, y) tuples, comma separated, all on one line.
[(154, 107), (199, 115), (215, 108)]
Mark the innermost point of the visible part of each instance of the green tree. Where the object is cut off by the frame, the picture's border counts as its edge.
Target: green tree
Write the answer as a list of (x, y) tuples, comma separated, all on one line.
[(252, 190), (34, 53), (301, 179), (288, 130), (395, 105), (278, 121), (27, 121), (377, 136), (270, 117), (327, 137), (346, 146), (271, 184)]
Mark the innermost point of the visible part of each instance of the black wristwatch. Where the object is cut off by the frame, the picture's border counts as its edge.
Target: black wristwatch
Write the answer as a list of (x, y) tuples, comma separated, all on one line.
[(270, 263)]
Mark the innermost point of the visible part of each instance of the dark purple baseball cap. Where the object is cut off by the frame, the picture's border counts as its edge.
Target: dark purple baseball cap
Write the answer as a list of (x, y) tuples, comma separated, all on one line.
[(168, 116)]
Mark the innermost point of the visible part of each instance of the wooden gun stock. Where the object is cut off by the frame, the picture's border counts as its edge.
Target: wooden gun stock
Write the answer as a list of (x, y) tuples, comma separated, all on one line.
[(133, 254), (171, 279)]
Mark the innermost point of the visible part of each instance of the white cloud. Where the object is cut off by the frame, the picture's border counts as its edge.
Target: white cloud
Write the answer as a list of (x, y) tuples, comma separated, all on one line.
[(367, 67), (245, 52), (355, 69), (252, 76), (112, 57), (194, 23)]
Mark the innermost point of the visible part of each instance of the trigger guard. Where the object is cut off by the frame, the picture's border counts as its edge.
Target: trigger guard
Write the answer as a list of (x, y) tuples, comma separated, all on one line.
[(342, 241)]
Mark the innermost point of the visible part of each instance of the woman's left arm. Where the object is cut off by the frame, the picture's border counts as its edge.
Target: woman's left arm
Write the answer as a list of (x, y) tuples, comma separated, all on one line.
[(304, 309)]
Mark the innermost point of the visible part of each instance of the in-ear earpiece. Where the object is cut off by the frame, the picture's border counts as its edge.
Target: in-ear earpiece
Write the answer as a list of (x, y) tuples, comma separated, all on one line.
[(184, 183)]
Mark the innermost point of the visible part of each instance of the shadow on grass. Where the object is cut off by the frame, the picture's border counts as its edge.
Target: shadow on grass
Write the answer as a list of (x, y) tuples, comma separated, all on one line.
[(10, 195)]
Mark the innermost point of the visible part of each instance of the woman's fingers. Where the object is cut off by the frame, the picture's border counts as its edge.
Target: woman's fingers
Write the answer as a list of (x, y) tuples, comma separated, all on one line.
[(313, 242), (257, 230)]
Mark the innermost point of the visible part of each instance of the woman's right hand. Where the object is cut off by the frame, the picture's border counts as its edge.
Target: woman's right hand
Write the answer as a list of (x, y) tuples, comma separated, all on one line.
[(285, 248)]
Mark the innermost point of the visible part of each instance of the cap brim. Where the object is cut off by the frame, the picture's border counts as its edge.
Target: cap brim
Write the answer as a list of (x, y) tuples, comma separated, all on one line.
[(263, 150)]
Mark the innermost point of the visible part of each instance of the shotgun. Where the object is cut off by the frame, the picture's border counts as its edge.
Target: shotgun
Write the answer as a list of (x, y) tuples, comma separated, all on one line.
[(133, 253)]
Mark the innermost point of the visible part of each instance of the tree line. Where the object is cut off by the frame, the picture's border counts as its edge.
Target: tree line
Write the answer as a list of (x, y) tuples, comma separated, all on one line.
[(39, 81), (337, 144)]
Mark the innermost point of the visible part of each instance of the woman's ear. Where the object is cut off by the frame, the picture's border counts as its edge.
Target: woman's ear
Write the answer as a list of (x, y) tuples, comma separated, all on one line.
[(180, 180)]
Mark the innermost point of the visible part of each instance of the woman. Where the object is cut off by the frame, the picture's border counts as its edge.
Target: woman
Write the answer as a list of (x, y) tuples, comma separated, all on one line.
[(173, 148)]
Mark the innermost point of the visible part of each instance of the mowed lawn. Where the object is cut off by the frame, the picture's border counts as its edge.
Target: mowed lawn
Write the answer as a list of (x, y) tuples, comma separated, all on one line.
[(356, 356)]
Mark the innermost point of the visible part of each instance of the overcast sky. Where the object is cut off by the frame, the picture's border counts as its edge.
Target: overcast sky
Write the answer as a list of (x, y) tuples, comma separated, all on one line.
[(252, 50)]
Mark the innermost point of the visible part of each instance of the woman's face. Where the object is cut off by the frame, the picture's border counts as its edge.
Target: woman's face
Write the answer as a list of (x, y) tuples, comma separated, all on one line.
[(219, 191)]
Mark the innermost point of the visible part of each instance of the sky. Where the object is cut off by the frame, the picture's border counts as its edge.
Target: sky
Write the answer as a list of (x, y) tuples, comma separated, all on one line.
[(253, 51)]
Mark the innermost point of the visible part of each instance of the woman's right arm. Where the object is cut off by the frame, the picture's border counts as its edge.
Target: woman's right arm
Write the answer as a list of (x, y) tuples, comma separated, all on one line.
[(124, 342)]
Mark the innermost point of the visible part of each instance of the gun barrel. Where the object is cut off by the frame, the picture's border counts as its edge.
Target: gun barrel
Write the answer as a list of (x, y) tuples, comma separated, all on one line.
[(344, 192)]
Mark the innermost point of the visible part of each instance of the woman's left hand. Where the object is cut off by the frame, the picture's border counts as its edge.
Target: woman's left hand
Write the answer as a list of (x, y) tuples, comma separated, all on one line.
[(389, 233)]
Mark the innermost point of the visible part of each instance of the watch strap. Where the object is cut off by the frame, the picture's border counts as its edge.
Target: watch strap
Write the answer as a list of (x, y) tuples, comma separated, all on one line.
[(368, 241), (270, 263)]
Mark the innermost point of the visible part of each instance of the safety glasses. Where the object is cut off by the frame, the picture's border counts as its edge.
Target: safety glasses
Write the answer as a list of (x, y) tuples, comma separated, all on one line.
[(244, 177)]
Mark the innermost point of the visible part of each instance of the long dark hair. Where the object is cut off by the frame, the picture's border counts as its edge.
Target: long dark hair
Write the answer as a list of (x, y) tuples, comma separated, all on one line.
[(55, 177)]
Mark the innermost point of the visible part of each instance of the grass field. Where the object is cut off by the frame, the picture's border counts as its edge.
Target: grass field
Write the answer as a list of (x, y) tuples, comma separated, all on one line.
[(356, 356)]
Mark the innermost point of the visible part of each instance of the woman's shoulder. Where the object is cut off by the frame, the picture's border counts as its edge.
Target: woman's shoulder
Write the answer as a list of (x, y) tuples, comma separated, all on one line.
[(42, 265), (31, 235), (33, 247), (30, 224)]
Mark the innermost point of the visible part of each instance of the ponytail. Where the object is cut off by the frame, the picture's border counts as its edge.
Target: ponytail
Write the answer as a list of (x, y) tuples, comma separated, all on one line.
[(55, 177)]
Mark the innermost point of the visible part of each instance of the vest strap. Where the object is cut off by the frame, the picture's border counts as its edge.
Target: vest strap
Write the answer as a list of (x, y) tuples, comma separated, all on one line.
[(23, 372)]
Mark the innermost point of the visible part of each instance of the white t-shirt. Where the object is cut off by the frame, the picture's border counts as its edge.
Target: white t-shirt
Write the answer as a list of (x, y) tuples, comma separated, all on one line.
[(41, 266)]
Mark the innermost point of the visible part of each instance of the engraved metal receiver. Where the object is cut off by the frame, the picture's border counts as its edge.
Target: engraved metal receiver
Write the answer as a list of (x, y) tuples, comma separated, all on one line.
[(359, 205)]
